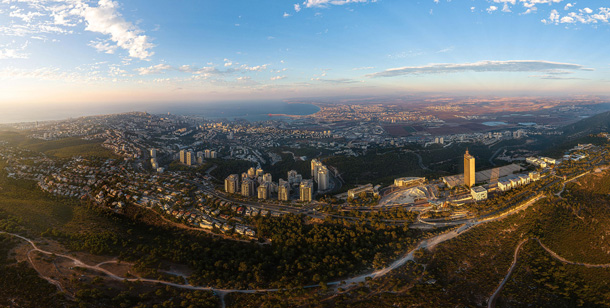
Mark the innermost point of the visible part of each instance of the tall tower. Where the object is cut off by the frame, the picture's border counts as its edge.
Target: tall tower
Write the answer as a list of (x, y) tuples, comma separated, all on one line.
[(323, 178), (469, 172)]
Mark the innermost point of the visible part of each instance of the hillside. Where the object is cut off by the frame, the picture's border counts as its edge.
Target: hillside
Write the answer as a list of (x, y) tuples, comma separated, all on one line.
[(593, 125)]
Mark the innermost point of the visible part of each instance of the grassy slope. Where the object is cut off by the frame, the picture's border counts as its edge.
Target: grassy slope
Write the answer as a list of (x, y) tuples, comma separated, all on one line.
[(62, 148)]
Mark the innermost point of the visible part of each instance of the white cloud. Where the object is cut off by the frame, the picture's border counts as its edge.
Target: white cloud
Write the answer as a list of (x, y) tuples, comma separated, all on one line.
[(203, 72), (326, 3), (583, 16), (297, 7), (12, 54), (277, 78), (506, 8), (286, 15), (9, 52), (155, 69), (26, 17), (491, 9), (104, 47), (363, 68), (483, 66), (107, 20), (57, 16), (568, 6), (48, 73)]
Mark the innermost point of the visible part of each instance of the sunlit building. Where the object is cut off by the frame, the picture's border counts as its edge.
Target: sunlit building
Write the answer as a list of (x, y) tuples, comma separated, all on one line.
[(248, 188), (306, 191), (323, 177), (469, 171), (232, 183), (263, 191)]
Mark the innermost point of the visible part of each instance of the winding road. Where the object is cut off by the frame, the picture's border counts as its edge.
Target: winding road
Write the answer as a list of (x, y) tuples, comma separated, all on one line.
[(494, 296), (409, 256)]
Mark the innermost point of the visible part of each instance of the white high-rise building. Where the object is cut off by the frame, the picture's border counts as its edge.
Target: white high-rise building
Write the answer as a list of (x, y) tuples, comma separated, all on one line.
[(315, 165), (323, 177)]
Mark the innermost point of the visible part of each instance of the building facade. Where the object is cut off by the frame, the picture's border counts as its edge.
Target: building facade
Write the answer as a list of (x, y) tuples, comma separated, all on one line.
[(306, 191), (323, 177), (469, 171), (283, 193), (248, 188), (232, 184)]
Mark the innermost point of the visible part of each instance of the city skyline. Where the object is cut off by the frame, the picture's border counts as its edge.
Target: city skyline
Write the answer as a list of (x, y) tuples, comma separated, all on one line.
[(77, 51)]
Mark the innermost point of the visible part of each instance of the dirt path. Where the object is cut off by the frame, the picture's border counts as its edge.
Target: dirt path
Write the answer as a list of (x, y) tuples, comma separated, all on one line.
[(408, 256), (493, 298)]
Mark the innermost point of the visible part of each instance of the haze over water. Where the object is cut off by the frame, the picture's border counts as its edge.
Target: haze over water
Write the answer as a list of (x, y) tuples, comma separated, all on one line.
[(251, 111)]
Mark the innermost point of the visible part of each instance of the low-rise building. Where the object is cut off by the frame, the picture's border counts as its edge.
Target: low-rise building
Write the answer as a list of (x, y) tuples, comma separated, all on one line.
[(478, 193)]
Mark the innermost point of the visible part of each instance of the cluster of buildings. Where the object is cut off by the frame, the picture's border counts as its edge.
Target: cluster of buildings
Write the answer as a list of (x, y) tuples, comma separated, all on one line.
[(190, 158), (255, 182), (121, 145), (541, 162), (115, 183)]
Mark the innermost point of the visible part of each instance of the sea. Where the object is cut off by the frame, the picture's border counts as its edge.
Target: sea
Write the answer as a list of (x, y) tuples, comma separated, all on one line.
[(252, 111)]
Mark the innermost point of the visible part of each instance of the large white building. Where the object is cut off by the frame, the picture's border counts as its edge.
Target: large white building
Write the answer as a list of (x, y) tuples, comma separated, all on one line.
[(323, 178), (404, 182), (315, 165), (478, 193)]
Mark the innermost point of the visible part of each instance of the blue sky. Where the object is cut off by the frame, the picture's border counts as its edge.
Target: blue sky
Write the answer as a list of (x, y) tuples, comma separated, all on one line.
[(55, 51)]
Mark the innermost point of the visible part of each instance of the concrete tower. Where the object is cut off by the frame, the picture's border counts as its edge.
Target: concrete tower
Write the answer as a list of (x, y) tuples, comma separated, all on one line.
[(469, 172)]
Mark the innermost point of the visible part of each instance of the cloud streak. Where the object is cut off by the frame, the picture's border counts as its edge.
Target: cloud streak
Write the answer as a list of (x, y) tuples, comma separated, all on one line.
[(482, 66), (326, 3)]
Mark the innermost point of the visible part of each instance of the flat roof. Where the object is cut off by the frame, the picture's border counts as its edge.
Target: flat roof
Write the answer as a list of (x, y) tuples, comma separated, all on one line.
[(485, 176)]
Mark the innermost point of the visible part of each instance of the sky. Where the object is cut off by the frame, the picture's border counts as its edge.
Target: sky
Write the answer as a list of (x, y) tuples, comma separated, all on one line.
[(55, 52)]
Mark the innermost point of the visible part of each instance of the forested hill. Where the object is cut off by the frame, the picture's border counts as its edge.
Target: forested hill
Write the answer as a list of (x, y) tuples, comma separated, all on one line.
[(593, 125)]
